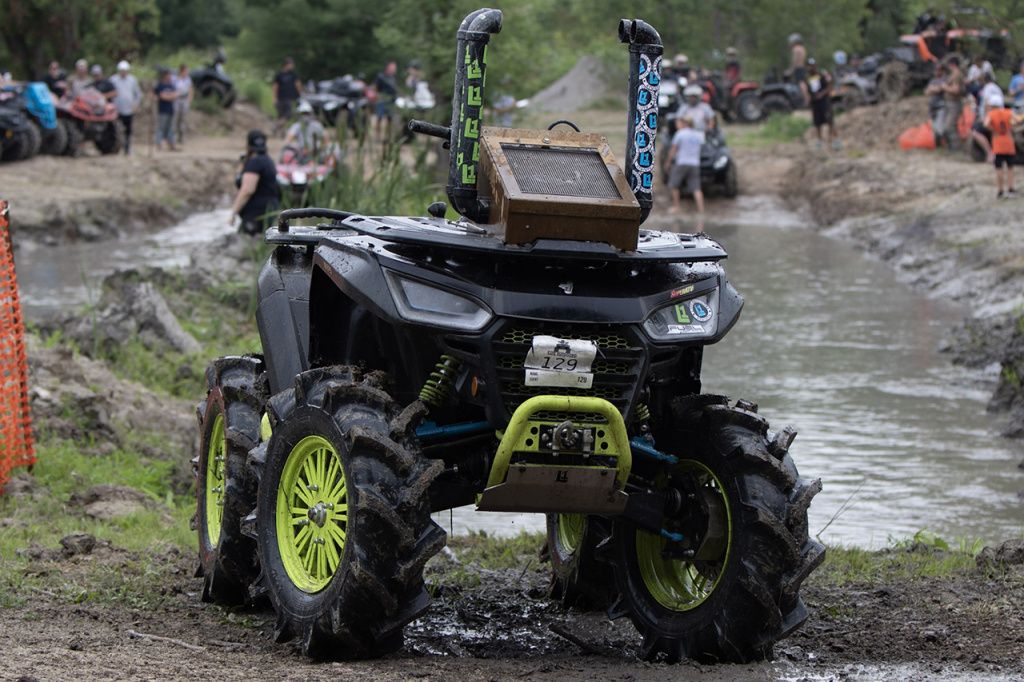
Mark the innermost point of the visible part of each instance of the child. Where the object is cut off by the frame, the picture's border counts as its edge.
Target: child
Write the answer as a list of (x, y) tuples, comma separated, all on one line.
[(999, 121), (685, 156)]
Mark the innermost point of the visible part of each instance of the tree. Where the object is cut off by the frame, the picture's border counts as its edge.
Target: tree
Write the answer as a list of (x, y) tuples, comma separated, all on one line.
[(36, 31), (199, 23)]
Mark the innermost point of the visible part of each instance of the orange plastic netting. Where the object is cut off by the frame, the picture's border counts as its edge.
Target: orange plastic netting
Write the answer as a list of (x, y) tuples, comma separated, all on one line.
[(16, 448)]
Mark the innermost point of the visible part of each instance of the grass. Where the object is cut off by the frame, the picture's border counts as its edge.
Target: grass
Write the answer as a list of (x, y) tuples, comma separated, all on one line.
[(779, 128)]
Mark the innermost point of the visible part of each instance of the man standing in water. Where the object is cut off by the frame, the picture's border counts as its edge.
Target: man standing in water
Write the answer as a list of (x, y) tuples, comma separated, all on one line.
[(685, 174)]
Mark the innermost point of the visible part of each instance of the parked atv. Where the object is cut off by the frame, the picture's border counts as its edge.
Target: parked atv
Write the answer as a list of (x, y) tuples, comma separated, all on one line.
[(17, 135), (91, 117), (212, 81), (741, 101), (340, 96), (542, 354), (781, 96), (717, 165), (299, 173)]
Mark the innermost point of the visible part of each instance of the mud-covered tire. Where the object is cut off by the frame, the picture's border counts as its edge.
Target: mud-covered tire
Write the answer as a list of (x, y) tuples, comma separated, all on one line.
[(229, 423), (111, 141), (755, 600), (749, 108), (776, 104), (578, 579), (893, 82), (731, 183), (359, 607), (55, 141), (75, 137), (34, 138)]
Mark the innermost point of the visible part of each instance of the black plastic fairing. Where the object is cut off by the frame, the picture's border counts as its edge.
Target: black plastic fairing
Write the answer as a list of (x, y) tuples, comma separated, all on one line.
[(282, 315)]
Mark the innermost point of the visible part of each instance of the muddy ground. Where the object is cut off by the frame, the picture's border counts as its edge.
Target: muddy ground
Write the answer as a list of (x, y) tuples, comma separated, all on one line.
[(968, 625)]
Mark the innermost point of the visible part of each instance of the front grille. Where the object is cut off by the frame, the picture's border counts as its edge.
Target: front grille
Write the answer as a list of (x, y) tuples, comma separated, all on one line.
[(561, 172), (617, 368)]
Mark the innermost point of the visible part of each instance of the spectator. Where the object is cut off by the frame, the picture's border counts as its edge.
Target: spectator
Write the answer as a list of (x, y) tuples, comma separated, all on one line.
[(80, 80), (1000, 122), (681, 67), (287, 89), (165, 96), (56, 79), (732, 65), (422, 97), (989, 93), (307, 133), (258, 193), (127, 97), (953, 91), (685, 174), (701, 115), (1017, 89), (975, 80), (183, 88), (100, 83), (387, 91), (937, 103), (798, 60), (818, 86)]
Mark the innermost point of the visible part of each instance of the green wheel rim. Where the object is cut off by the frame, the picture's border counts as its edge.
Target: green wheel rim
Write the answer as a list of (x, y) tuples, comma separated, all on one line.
[(569, 535), (215, 457), (312, 514), (679, 584)]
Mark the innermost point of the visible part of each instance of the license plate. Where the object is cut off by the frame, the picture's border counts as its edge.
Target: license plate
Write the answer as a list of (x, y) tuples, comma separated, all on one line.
[(564, 363)]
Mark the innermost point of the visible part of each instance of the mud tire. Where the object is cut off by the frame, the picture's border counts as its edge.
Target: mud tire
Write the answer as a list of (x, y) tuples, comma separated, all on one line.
[(578, 579), (55, 141), (749, 107), (893, 82), (75, 137), (111, 141), (34, 138), (756, 601), (731, 184), (776, 104), (237, 390), (377, 587)]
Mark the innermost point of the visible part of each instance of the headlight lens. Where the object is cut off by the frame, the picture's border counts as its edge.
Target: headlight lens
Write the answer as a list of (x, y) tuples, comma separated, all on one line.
[(419, 302), (721, 162), (687, 319)]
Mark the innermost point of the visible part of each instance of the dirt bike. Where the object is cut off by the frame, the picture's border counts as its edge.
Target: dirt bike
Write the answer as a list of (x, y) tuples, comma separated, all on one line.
[(541, 354)]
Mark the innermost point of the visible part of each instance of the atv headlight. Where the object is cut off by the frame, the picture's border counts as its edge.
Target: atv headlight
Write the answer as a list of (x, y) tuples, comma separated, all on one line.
[(687, 319), (419, 302), (721, 162), (299, 178)]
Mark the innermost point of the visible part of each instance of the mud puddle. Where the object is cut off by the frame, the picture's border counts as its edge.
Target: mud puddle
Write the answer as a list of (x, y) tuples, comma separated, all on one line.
[(62, 278)]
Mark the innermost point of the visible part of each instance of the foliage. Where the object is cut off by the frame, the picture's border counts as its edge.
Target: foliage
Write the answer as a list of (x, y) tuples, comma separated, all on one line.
[(36, 31), (199, 23)]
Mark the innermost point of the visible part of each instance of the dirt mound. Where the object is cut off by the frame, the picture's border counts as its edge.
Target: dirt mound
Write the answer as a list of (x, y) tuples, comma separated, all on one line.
[(586, 83), (879, 126)]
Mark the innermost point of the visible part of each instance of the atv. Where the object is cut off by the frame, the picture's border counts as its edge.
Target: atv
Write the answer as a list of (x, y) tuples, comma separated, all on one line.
[(213, 82), (91, 117), (540, 354), (717, 165), (17, 135), (300, 173), (345, 94)]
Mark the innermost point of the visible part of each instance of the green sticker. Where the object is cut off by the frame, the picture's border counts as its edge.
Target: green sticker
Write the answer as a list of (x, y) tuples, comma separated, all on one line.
[(682, 317)]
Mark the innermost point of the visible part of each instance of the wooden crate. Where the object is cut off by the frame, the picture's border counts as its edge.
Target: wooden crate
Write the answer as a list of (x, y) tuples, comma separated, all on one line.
[(556, 184)]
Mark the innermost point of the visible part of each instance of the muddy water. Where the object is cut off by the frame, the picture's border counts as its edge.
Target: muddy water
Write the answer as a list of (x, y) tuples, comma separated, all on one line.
[(53, 279), (829, 342)]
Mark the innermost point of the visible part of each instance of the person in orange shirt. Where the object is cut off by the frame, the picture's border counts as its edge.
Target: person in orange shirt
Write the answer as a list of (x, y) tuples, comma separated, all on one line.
[(999, 121)]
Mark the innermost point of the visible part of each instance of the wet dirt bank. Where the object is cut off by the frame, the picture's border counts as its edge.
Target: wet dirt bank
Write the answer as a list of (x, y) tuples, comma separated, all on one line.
[(931, 215)]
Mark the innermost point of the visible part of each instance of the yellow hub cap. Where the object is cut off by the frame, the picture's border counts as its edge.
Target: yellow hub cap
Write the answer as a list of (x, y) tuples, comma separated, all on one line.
[(680, 584), (215, 457), (312, 514)]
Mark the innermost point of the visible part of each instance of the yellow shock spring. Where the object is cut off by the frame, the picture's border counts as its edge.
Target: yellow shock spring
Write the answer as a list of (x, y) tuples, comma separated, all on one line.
[(439, 385), (643, 413)]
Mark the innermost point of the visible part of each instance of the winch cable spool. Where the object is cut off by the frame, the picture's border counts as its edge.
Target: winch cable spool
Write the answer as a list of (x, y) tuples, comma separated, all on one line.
[(16, 445)]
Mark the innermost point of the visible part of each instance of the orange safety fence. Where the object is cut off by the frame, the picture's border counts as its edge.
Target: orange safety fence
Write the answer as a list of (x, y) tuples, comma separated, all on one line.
[(16, 447)]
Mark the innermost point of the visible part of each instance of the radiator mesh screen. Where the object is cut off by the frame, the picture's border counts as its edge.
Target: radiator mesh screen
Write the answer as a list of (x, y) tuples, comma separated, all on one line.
[(562, 172)]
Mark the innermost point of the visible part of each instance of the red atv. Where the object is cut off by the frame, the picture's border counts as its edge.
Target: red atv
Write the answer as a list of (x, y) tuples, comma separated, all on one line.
[(90, 116), (740, 101)]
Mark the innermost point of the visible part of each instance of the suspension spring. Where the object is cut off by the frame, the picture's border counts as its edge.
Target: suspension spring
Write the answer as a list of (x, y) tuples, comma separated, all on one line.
[(438, 386)]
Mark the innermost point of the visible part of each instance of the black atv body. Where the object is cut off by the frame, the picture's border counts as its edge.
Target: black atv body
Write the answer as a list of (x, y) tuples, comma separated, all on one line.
[(717, 166), (213, 81), (506, 360), (15, 128), (344, 96)]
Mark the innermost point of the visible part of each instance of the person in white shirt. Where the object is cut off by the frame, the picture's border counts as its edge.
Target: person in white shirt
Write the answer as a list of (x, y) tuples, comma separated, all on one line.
[(127, 98), (182, 83), (307, 133), (685, 173), (700, 113)]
